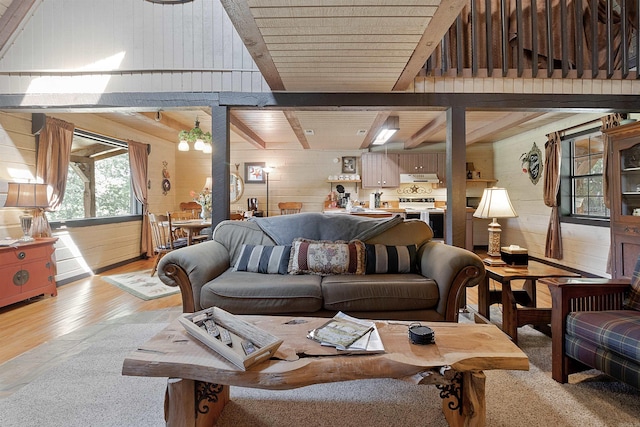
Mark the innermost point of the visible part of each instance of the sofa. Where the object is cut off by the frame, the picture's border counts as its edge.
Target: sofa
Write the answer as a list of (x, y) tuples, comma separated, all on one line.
[(390, 268), (595, 324)]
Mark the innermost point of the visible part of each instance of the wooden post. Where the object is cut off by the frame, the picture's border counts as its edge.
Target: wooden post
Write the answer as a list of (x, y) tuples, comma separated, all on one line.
[(190, 403), (473, 409)]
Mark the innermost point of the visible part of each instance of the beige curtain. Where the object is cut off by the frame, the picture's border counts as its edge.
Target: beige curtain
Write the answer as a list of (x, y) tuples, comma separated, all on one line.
[(608, 122), (53, 156), (553, 248), (139, 164)]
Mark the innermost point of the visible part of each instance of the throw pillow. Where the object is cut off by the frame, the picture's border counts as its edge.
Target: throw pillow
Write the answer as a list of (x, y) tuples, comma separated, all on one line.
[(325, 257), (391, 259), (264, 259), (634, 294)]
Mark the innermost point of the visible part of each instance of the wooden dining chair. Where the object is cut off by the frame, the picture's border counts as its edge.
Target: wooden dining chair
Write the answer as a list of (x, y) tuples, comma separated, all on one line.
[(192, 207), (162, 237), (184, 216), (287, 208)]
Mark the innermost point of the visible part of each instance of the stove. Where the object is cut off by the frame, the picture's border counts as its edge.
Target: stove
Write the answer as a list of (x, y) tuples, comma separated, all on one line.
[(417, 203)]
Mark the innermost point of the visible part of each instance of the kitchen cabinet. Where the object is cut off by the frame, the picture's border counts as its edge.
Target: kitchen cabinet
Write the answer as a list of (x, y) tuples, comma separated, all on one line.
[(27, 270), (380, 170), (624, 194), (419, 162)]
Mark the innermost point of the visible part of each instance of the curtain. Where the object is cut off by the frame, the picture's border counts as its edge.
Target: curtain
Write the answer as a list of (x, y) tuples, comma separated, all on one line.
[(138, 164), (608, 122), (53, 156), (553, 247)]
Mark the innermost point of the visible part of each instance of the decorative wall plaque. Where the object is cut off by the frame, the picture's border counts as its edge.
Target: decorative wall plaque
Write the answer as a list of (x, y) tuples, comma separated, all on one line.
[(532, 163)]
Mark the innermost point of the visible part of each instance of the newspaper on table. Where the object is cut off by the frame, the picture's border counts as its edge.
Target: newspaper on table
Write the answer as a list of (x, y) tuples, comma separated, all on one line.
[(349, 335)]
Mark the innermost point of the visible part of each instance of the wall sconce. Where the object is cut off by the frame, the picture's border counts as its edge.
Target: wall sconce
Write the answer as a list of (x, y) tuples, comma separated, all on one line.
[(30, 197), (390, 126)]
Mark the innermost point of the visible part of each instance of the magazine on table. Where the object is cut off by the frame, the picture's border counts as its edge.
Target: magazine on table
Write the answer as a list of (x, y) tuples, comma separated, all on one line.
[(349, 334)]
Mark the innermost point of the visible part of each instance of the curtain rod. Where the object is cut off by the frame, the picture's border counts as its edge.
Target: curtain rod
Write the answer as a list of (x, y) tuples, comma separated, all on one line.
[(562, 131)]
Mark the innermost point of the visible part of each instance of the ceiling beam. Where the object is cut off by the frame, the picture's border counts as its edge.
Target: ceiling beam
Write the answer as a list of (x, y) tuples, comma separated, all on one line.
[(447, 12), (434, 126), (242, 130), (11, 20), (509, 120), (168, 123), (246, 26), (375, 128), (297, 128)]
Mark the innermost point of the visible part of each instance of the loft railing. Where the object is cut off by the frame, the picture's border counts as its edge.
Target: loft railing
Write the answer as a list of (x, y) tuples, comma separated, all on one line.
[(528, 38)]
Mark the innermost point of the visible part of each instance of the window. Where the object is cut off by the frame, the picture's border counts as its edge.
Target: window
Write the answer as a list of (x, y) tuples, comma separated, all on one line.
[(98, 181), (581, 185)]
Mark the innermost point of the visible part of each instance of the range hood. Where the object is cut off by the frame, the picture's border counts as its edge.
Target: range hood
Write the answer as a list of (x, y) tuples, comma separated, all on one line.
[(419, 177)]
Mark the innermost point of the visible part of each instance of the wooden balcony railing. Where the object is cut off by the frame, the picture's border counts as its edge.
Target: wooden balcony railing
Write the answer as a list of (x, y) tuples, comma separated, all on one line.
[(528, 38)]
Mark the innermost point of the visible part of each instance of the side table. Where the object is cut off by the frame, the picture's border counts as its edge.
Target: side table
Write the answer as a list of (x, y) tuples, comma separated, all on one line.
[(519, 305)]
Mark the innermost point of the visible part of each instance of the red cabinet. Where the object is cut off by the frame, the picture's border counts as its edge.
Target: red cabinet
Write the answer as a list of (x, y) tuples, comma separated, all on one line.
[(27, 270)]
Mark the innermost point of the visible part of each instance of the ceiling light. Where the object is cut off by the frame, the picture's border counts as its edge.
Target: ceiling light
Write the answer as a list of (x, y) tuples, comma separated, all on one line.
[(390, 126), (199, 139)]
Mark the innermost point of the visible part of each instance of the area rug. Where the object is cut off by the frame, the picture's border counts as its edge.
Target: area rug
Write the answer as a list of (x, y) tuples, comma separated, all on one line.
[(86, 388), (142, 284)]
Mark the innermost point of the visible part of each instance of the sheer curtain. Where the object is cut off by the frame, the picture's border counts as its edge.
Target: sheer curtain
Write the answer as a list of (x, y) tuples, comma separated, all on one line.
[(553, 247), (139, 164)]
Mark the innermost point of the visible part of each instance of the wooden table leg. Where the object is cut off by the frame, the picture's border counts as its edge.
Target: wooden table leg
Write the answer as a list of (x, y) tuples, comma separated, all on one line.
[(189, 403), (483, 298), (463, 403), (509, 312)]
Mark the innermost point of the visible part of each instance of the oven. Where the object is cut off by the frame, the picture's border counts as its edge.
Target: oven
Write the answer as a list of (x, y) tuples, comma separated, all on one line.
[(424, 208)]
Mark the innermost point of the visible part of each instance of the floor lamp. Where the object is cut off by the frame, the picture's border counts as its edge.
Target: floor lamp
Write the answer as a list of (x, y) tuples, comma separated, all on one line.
[(267, 170), (33, 199), (494, 204)]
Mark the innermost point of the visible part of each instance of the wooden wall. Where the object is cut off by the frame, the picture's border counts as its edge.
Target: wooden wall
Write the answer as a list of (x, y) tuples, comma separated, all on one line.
[(585, 247), (128, 46)]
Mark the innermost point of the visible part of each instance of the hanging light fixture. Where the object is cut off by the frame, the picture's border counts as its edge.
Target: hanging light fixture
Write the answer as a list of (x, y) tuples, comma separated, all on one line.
[(201, 141)]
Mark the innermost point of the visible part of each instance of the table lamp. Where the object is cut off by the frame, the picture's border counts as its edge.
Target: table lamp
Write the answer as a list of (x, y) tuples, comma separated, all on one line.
[(495, 204), (33, 198)]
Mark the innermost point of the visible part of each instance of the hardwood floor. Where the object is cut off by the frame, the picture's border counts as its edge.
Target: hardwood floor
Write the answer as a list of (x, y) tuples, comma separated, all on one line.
[(27, 324)]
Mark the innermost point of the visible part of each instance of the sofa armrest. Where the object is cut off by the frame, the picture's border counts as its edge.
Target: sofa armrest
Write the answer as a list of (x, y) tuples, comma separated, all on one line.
[(577, 294), (453, 269), (191, 268)]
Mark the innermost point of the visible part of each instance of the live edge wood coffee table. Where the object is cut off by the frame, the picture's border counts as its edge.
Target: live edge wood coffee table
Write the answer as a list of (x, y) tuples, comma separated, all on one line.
[(199, 379)]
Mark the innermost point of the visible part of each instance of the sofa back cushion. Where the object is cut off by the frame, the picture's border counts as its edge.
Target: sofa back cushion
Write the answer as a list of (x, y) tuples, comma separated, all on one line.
[(264, 259), (410, 231), (326, 257), (383, 259)]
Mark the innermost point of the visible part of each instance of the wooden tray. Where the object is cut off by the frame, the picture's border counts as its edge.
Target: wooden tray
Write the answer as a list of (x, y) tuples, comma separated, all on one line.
[(239, 329)]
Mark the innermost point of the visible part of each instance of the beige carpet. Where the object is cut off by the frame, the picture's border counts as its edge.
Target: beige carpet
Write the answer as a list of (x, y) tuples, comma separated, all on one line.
[(84, 387), (142, 284)]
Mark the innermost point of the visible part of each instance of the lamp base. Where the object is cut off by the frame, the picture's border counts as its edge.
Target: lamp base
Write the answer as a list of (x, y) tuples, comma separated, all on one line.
[(494, 239)]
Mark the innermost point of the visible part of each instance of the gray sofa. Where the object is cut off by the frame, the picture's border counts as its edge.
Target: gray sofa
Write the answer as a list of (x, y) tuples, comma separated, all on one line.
[(206, 275)]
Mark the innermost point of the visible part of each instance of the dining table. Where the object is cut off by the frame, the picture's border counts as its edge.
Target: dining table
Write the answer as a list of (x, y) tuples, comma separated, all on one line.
[(191, 227)]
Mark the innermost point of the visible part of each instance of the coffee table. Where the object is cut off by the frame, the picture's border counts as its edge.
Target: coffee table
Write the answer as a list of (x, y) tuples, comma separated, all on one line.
[(519, 306), (199, 379)]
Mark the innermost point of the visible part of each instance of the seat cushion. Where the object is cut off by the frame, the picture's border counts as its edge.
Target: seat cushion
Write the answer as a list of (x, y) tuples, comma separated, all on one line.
[(617, 331), (379, 292), (241, 292)]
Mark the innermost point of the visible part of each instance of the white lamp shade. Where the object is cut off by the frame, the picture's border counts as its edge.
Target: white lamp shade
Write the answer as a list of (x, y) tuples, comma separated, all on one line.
[(24, 195), (495, 203), (183, 146), (207, 184)]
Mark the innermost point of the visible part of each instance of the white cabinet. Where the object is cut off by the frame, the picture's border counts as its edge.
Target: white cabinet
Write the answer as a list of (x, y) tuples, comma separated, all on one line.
[(380, 170)]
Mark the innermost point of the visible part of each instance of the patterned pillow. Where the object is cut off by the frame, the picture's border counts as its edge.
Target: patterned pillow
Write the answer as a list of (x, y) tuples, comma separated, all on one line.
[(325, 257), (263, 259), (391, 259), (634, 295)]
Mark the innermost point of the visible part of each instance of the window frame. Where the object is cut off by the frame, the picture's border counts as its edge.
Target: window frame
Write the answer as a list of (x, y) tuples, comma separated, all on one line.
[(89, 222), (565, 196)]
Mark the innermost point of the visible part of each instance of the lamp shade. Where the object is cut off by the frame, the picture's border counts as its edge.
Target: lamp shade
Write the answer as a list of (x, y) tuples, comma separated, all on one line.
[(22, 195), (208, 184), (495, 203)]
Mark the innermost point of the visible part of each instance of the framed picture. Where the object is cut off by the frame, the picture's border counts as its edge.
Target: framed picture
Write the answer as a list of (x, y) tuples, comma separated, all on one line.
[(348, 165), (253, 173)]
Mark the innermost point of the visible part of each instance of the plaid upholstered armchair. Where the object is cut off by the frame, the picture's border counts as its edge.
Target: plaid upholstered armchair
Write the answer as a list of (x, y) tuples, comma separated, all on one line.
[(595, 323)]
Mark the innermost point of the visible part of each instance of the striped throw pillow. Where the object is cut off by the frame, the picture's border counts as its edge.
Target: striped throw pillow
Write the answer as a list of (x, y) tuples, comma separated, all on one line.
[(264, 259), (391, 259)]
